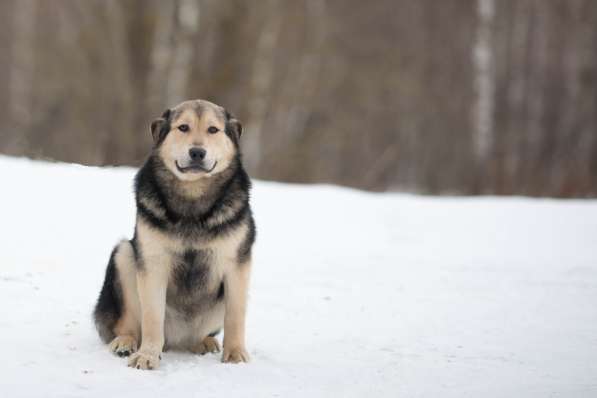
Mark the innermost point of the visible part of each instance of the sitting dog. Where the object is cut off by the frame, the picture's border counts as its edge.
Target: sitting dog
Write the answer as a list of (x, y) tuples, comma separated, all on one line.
[(184, 276)]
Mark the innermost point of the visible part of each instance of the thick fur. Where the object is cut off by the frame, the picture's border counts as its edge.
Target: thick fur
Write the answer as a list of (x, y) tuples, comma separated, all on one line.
[(109, 304), (183, 276)]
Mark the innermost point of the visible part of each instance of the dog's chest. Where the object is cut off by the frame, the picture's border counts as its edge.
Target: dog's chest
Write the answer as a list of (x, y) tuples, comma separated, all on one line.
[(195, 281), (191, 270)]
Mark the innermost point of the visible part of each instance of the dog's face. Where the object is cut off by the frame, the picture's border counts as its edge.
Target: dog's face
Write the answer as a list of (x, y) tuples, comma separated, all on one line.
[(196, 139)]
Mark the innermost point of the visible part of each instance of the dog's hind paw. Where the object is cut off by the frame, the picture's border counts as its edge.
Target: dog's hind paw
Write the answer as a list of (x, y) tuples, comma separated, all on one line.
[(123, 346), (208, 344)]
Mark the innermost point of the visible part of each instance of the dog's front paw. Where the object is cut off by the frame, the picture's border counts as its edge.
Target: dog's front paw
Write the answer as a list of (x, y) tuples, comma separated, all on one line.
[(235, 354), (145, 360), (123, 346)]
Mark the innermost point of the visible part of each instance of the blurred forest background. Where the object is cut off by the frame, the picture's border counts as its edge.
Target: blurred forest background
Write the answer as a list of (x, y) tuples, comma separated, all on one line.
[(449, 97)]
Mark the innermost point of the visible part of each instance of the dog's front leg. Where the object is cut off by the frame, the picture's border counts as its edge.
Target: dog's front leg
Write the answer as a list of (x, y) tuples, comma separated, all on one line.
[(236, 287), (152, 283)]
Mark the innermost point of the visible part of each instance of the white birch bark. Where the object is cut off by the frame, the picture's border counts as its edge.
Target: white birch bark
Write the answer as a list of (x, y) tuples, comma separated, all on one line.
[(484, 80)]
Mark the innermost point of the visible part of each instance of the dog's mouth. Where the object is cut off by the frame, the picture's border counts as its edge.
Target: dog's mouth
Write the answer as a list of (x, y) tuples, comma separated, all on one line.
[(195, 168)]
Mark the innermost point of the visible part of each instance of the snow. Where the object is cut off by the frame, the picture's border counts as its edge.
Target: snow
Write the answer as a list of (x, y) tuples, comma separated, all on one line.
[(353, 294)]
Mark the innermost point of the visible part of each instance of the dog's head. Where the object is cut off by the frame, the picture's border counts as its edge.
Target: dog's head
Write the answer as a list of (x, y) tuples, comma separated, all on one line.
[(196, 139)]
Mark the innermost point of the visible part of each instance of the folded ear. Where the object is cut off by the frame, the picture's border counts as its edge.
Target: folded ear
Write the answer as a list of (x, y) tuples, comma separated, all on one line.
[(160, 127), (234, 128)]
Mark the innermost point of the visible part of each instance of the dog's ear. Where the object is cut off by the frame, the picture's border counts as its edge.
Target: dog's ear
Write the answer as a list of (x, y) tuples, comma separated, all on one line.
[(233, 126), (160, 127)]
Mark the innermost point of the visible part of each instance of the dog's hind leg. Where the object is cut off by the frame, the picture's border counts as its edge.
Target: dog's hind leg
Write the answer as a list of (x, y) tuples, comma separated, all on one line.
[(128, 327), (117, 313)]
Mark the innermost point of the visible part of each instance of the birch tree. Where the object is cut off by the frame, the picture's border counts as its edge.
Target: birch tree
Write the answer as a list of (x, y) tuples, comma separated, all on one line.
[(484, 81)]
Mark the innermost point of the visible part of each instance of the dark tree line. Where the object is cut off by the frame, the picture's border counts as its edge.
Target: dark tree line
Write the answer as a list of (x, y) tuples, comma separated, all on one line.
[(457, 96)]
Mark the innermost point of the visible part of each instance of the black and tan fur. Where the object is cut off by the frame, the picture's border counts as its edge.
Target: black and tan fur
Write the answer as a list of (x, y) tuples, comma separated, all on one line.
[(184, 276)]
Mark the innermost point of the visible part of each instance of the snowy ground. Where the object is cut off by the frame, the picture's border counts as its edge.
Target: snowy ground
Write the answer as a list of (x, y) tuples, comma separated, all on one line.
[(353, 294)]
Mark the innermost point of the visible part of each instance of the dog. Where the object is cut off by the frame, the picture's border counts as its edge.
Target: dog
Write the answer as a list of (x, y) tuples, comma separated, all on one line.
[(184, 275)]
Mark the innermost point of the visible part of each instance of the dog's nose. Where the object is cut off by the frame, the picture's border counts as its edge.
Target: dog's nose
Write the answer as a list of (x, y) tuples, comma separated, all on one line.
[(197, 153)]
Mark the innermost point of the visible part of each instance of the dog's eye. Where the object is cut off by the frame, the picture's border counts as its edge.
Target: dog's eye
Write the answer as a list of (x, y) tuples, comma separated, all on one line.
[(184, 128), (213, 130)]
